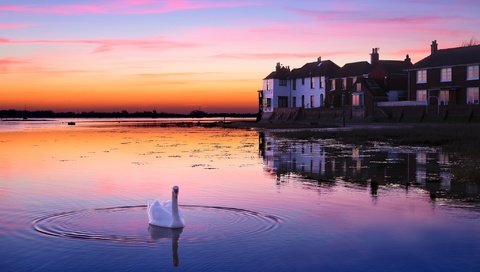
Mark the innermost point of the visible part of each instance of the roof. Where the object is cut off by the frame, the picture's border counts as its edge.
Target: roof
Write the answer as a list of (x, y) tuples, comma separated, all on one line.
[(354, 69), (395, 66), (281, 73), (451, 56), (371, 85), (317, 68)]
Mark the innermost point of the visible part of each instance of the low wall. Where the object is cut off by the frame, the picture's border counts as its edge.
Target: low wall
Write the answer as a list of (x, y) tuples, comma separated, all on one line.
[(404, 114)]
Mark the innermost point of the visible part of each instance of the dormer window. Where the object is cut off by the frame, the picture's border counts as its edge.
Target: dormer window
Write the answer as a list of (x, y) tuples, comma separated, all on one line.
[(446, 74), (472, 72), (422, 76)]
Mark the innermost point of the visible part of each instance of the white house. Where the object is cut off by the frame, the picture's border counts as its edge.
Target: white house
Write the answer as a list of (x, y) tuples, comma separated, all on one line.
[(276, 89), (299, 88)]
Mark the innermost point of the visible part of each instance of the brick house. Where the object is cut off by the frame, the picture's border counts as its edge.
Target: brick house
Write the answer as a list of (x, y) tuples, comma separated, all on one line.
[(446, 77)]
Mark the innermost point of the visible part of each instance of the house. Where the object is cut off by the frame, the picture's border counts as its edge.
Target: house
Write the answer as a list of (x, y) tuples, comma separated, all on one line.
[(309, 83), (386, 81), (298, 88), (446, 77), (342, 83), (276, 89), (360, 85)]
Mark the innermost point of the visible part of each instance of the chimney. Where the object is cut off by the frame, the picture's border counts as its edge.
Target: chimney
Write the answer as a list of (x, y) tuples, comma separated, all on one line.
[(277, 68), (407, 59), (319, 59), (434, 47), (374, 57)]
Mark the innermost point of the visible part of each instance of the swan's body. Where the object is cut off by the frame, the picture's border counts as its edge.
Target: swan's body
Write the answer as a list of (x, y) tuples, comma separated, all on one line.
[(166, 214)]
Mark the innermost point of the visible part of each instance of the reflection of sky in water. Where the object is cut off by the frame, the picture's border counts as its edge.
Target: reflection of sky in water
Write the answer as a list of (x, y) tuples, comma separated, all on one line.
[(340, 207)]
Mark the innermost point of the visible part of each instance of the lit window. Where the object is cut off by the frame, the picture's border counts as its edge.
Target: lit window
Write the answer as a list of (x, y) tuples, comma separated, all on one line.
[(356, 100), (472, 72), (422, 76), (472, 95), (444, 97), (333, 84), (446, 75), (422, 95)]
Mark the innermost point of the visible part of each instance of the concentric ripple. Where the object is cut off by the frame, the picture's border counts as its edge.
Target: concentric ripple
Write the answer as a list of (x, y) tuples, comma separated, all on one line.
[(128, 224)]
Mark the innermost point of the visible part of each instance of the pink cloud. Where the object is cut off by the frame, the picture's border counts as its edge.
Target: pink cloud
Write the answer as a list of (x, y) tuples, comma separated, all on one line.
[(276, 56), (104, 45), (14, 25), (126, 7), (7, 63)]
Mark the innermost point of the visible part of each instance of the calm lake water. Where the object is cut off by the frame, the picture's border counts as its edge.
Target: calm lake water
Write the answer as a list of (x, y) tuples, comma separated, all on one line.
[(73, 198)]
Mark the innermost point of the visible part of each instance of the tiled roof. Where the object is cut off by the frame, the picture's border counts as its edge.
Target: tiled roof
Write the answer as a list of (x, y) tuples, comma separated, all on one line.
[(354, 69), (282, 73), (395, 66), (451, 56), (322, 68)]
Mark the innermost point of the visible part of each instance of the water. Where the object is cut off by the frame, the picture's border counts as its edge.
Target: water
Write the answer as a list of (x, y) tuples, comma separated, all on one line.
[(73, 198)]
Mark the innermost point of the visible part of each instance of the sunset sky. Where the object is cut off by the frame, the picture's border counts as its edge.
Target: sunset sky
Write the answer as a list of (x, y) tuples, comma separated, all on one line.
[(183, 55)]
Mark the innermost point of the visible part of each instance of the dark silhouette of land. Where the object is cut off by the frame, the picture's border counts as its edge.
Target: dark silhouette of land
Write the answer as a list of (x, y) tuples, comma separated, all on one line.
[(8, 114)]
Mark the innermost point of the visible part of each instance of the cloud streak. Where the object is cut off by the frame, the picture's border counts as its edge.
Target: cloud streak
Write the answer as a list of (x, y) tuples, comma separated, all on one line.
[(105, 45), (126, 7), (14, 25)]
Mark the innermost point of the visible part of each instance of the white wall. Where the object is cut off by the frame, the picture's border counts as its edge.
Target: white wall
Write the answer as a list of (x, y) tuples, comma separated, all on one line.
[(307, 91)]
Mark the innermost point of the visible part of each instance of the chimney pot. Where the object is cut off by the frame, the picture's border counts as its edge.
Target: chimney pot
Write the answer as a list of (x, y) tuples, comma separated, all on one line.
[(434, 47), (319, 59)]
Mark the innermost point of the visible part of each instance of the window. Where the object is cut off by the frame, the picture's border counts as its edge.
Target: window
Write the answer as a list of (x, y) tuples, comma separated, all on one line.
[(344, 83), (472, 72), (446, 75), (333, 84), (283, 101), (422, 76), (294, 102), (359, 87), (269, 102), (356, 100), (303, 81), (283, 82), (444, 97), (303, 101), (422, 95), (312, 83), (472, 95), (320, 80), (312, 99), (294, 84)]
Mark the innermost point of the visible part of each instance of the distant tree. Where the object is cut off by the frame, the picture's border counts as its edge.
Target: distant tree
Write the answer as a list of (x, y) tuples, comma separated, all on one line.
[(198, 114), (471, 42)]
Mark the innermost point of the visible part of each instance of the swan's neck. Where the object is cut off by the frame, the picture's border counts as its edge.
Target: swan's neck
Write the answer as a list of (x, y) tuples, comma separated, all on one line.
[(175, 206)]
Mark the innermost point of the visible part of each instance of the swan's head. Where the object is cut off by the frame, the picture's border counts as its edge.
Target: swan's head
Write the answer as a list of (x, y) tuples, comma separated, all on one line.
[(175, 189)]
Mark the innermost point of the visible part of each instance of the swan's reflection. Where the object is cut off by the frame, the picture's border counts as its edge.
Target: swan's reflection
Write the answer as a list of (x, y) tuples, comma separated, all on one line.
[(167, 233)]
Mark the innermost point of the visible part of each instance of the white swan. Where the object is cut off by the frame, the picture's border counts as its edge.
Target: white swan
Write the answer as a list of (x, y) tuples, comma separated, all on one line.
[(166, 214)]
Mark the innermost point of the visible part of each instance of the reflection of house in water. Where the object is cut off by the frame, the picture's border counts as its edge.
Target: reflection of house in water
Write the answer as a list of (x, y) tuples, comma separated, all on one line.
[(330, 161)]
